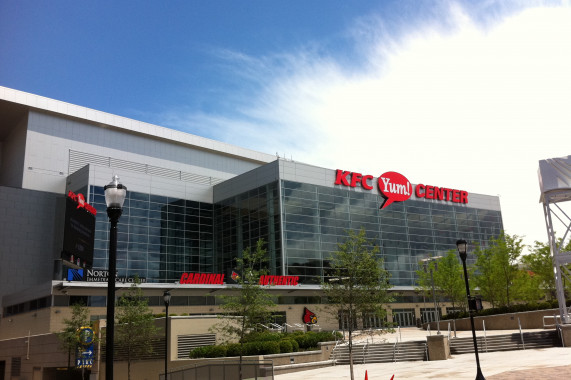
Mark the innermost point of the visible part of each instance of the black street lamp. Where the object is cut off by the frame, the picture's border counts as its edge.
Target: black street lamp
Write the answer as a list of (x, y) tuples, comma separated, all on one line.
[(115, 194), (462, 246), (167, 299)]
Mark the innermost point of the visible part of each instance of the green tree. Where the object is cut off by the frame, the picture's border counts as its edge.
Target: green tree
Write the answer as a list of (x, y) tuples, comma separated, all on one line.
[(135, 327), (357, 284), (496, 270), (69, 336), (249, 304), (540, 262), (448, 276)]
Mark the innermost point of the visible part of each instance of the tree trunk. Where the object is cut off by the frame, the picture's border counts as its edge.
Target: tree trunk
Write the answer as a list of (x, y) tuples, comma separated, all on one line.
[(351, 344)]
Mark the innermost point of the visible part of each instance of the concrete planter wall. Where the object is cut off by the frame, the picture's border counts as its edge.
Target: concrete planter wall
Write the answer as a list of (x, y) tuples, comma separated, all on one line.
[(509, 321)]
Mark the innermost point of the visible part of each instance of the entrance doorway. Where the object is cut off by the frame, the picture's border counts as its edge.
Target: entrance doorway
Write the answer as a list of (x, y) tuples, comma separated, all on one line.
[(404, 317), (429, 315)]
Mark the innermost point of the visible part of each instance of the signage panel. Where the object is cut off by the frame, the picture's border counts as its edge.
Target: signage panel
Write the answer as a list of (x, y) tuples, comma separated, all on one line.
[(79, 231), (395, 187)]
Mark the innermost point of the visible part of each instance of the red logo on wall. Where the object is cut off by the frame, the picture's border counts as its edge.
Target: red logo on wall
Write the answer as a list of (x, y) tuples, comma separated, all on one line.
[(202, 278), (81, 203), (394, 187), (309, 317), (279, 280)]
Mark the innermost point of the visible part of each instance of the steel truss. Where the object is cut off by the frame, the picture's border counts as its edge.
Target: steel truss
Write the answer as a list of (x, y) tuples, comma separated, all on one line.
[(555, 184)]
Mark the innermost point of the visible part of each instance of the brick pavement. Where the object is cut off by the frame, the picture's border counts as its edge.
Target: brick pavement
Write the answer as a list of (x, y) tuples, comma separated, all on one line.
[(563, 372)]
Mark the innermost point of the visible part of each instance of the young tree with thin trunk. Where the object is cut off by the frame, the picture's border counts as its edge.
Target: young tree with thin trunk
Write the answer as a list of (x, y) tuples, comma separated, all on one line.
[(69, 337), (135, 328), (448, 275), (250, 304), (356, 284), (497, 273)]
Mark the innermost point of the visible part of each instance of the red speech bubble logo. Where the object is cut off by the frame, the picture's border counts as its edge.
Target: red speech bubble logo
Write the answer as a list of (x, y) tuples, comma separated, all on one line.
[(394, 187)]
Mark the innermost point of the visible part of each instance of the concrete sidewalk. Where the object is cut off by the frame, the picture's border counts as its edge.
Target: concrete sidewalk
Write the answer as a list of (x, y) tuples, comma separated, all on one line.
[(545, 363)]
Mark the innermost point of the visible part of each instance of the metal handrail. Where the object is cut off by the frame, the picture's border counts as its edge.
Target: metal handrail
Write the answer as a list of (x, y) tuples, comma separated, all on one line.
[(521, 333), (365, 350), (485, 337), (395, 351)]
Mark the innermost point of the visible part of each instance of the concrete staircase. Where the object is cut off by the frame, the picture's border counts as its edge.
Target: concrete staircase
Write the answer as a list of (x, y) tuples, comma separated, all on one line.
[(508, 342), (381, 353)]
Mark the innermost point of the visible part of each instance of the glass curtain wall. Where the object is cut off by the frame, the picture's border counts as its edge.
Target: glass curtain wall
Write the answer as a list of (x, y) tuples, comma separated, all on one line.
[(244, 219), (316, 219), (159, 237)]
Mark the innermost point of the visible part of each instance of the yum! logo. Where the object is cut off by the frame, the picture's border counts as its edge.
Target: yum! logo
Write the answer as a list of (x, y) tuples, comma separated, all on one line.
[(395, 187)]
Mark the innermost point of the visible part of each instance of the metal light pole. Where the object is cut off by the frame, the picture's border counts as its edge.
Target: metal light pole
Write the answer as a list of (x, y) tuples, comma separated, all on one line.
[(462, 246), (115, 194), (426, 264), (167, 299)]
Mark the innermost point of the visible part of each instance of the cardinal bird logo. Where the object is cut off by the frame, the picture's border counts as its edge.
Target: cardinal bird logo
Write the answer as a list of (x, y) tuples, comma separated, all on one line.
[(234, 276), (309, 316)]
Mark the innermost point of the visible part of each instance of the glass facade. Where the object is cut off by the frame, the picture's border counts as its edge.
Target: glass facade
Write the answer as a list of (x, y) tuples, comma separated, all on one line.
[(242, 220), (159, 237), (316, 219)]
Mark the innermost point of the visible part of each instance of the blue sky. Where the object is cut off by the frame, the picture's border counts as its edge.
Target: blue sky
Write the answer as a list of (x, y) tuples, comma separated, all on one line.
[(460, 94)]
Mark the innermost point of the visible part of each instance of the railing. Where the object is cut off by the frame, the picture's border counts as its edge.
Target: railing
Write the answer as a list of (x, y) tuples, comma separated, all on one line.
[(556, 321), (521, 333), (224, 369), (395, 352), (365, 350), (485, 337), (560, 334)]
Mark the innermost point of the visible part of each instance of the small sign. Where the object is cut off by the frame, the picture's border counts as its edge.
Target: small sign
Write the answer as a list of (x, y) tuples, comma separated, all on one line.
[(84, 354)]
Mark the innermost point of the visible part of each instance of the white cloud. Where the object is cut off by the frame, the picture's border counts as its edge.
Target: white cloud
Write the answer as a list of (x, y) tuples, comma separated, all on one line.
[(470, 104)]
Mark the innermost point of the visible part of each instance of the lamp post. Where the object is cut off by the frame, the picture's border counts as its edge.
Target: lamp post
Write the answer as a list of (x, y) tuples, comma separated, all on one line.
[(115, 194), (167, 299), (462, 246)]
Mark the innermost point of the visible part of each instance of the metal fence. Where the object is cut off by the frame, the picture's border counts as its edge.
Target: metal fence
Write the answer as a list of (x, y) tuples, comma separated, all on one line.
[(224, 370)]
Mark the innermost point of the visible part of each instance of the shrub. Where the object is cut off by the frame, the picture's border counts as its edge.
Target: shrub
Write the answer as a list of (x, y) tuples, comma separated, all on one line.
[(286, 346), (264, 336), (253, 348), (233, 349), (294, 345), (269, 348), (208, 352)]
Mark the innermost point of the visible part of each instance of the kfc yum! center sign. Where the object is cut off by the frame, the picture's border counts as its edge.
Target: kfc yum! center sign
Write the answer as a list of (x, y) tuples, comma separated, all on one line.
[(395, 187)]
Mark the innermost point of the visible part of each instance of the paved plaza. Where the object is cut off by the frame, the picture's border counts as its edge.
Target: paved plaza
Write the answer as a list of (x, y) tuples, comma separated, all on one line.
[(545, 363)]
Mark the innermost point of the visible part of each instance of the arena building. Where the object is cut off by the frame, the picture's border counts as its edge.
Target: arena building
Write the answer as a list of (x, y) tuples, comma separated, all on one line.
[(193, 205)]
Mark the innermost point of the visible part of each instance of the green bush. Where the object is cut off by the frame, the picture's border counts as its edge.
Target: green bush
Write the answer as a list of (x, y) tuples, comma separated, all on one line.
[(269, 348), (286, 346), (266, 344), (294, 345), (253, 348), (208, 352), (233, 349), (264, 336)]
